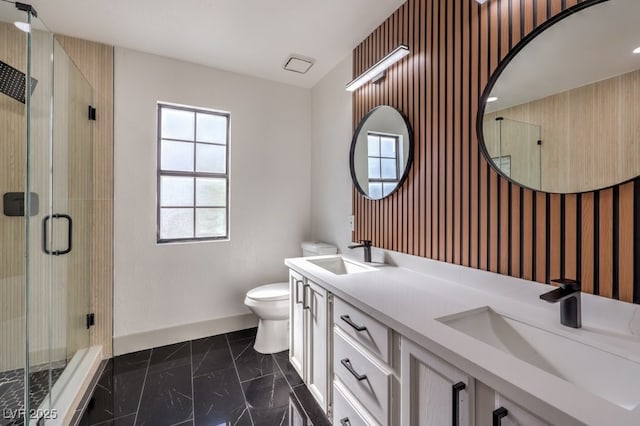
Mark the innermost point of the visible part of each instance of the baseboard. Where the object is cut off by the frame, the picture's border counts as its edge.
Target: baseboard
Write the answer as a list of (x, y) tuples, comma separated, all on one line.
[(166, 336)]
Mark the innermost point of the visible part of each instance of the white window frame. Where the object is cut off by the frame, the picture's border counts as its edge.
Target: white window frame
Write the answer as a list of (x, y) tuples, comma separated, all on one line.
[(194, 174)]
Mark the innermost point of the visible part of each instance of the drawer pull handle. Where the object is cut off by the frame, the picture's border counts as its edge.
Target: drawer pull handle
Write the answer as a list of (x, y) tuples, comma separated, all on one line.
[(304, 297), (347, 319), (349, 367), (345, 422), (297, 284), (498, 414), (455, 401)]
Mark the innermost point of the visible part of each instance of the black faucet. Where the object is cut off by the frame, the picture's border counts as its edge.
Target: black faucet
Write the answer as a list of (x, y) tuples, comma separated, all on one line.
[(367, 249), (568, 294)]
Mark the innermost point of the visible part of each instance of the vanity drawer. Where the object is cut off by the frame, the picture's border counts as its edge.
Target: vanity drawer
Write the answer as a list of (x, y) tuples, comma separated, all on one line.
[(368, 381), (362, 328), (345, 412)]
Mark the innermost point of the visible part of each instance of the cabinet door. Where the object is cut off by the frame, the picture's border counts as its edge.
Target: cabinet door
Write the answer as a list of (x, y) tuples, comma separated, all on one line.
[(296, 322), (317, 379), (434, 393)]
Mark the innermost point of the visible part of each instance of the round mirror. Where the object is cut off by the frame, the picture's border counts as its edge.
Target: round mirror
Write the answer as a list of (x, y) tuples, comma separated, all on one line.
[(381, 152), (561, 113)]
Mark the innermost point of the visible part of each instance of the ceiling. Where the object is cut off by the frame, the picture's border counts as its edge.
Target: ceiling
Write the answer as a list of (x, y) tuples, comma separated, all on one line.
[(252, 37), (595, 44)]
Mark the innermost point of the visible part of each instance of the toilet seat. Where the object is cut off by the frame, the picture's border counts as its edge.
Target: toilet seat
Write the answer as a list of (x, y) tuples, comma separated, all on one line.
[(270, 292)]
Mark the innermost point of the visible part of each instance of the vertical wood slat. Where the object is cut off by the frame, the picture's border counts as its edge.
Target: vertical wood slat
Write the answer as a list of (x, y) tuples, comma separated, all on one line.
[(455, 208), (626, 260), (606, 243)]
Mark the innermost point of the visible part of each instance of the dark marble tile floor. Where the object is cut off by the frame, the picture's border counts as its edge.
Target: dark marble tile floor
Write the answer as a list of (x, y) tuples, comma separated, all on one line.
[(218, 380)]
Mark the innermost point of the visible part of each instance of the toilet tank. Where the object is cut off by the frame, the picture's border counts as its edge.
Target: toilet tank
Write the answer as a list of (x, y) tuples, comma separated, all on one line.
[(317, 248)]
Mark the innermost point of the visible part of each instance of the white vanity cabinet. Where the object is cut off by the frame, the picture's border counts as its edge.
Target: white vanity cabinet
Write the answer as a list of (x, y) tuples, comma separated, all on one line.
[(434, 392), (309, 335)]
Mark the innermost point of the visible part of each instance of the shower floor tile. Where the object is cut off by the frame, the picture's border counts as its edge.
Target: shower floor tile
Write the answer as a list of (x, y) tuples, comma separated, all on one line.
[(216, 380), (12, 391)]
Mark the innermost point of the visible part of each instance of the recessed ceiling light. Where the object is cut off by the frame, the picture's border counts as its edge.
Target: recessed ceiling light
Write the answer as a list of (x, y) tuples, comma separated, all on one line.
[(298, 63), (481, 1), (492, 99), (22, 26), (636, 50)]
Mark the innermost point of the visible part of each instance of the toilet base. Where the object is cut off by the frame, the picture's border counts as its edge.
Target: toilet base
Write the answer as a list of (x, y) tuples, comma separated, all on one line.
[(272, 336)]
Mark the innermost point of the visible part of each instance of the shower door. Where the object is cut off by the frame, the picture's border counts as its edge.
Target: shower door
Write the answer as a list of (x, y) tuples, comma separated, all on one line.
[(45, 223)]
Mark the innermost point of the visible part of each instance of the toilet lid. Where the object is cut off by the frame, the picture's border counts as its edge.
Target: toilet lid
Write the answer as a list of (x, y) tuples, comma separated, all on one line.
[(278, 291)]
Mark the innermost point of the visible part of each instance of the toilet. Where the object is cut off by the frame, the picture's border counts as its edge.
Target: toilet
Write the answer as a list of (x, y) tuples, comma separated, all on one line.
[(270, 303)]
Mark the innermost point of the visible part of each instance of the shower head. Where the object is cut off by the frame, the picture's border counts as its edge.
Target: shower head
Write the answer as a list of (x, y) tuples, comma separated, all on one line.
[(13, 82)]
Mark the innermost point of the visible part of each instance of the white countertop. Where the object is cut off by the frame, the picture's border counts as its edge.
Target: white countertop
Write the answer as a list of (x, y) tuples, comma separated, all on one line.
[(410, 302)]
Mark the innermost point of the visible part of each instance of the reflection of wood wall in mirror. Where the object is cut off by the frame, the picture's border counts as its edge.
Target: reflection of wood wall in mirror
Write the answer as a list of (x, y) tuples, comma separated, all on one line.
[(590, 134)]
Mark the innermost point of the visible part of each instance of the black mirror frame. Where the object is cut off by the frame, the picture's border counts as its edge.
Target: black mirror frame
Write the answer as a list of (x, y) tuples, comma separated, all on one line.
[(354, 140), (500, 69)]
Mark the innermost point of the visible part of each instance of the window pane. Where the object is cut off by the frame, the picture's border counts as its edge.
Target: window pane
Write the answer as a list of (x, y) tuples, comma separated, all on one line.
[(388, 169), (388, 147), (211, 192), (176, 191), (211, 128), (374, 168), (211, 158), (211, 223), (375, 190), (387, 188), (177, 124), (176, 223), (374, 146), (176, 156)]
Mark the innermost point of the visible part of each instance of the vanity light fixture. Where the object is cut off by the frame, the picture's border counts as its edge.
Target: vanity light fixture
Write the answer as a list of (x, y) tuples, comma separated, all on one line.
[(492, 99), (377, 70), (23, 26), (637, 50)]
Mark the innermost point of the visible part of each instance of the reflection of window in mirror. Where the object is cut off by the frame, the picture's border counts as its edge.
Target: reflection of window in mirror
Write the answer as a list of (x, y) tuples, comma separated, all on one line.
[(384, 154), (503, 163)]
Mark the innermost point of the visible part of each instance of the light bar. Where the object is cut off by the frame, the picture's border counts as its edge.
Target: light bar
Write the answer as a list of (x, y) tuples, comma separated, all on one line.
[(380, 66)]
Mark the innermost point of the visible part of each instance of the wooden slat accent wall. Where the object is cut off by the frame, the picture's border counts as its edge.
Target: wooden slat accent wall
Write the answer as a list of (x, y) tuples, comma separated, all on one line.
[(95, 61), (453, 206)]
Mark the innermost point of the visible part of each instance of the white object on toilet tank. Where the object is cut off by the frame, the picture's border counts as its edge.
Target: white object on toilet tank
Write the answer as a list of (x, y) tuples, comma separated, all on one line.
[(317, 248)]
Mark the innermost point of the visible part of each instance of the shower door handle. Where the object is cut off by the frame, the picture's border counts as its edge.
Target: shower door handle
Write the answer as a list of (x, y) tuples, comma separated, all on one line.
[(45, 234)]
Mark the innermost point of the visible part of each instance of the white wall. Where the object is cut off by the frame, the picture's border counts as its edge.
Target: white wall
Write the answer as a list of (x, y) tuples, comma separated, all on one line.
[(168, 286), (331, 131)]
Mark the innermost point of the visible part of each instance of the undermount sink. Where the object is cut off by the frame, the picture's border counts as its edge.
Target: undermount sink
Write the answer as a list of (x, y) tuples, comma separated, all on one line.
[(340, 266), (608, 375)]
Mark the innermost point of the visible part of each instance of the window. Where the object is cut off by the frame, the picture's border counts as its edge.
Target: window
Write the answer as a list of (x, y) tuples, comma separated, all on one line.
[(384, 153), (193, 174)]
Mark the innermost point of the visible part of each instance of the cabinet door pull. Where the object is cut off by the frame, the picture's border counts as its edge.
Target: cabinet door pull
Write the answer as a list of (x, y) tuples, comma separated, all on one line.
[(345, 422), (347, 319), (347, 364), (455, 402), (305, 305), (498, 414), (297, 282)]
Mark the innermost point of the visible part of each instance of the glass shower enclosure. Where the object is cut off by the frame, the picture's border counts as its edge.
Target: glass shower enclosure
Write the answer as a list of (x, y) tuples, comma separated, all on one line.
[(515, 148), (45, 224)]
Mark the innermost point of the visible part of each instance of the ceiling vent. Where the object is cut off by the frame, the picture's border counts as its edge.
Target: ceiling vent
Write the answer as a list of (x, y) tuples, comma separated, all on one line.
[(298, 63)]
